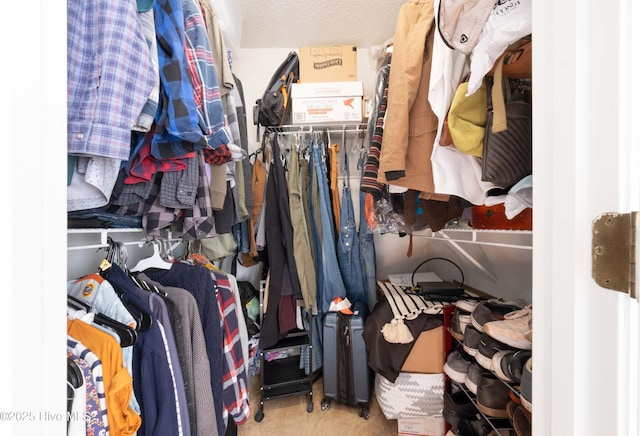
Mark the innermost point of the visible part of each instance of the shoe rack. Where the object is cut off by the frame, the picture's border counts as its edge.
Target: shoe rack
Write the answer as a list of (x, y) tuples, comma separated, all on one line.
[(497, 424)]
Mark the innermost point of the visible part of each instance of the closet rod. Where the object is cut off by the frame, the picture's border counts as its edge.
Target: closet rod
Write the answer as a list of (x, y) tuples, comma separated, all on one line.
[(140, 243), (332, 128)]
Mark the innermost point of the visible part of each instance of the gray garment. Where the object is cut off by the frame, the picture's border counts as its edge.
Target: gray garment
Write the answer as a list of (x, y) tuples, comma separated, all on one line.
[(178, 188), (244, 144), (194, 363), (159, 309), (125, 194)]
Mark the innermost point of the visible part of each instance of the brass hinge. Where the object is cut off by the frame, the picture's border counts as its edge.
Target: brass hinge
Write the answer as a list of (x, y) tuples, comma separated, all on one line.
[(614, 252)]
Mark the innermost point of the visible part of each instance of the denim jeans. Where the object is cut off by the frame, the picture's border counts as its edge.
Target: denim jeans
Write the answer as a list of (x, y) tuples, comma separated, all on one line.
[(330, 284), (241, 236), (367, 249), (349, 248), (99, 218)]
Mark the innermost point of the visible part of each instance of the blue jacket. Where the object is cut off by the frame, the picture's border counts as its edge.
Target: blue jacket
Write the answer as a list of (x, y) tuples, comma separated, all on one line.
[(152, 381)]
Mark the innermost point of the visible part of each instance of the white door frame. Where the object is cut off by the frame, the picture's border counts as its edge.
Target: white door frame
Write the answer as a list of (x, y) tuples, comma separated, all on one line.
[(586, 162)]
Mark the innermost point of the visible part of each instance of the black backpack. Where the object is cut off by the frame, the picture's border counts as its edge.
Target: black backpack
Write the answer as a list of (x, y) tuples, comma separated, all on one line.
[(247, 292), (272, 110)]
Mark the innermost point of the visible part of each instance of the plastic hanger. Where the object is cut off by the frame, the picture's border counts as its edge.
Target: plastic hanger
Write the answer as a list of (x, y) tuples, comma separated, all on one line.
[(154, 261), (143, 319), (144, 285), (128, 336)]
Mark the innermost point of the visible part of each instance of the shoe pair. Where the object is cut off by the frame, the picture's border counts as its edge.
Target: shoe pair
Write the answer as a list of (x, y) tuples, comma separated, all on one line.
[(508, 365), (456, 366), (520, 418), (458, 407), (461, 413), (515, 329), (463, 371), (525, 385), (493, 310), (492, 396), (461, 317), (487, 348)]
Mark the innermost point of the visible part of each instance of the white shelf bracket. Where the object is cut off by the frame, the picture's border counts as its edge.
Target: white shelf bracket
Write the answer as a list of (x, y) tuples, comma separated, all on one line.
[(472, 259)]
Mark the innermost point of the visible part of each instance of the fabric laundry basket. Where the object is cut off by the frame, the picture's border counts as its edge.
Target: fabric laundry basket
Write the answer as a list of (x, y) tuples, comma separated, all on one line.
[(413, 395)]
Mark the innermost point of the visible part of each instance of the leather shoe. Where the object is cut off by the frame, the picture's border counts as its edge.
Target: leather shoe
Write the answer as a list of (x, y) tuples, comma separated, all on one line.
[(493, 396)]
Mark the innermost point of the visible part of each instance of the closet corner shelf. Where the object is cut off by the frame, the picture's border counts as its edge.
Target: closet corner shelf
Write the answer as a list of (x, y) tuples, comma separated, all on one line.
[(100, 236), (464, 233)]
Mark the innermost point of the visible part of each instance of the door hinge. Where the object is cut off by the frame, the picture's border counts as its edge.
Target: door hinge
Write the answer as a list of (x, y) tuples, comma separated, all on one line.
[(613, 251)]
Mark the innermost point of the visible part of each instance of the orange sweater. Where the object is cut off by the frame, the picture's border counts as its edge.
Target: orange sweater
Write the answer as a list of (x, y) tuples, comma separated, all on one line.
[(118, 385)]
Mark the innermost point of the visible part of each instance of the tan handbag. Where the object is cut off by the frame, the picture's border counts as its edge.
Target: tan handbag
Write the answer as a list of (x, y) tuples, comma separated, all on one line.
[(516, 60)]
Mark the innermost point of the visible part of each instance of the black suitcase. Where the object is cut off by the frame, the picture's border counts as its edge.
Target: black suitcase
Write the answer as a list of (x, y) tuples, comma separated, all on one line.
[(347, 377)]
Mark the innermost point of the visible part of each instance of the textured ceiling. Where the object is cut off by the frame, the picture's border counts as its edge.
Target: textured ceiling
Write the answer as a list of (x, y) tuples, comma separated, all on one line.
[(304, 23)]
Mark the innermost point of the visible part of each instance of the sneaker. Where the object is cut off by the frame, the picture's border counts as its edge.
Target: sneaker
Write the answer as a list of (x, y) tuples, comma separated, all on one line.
[(464, 319), (471, 340), (513, 329), (458, 407), (467, 305), (525, 385), (508, 364), (473, 378), (456, 367), (487, 348), (455, 328), (493, 396), (493, 310)]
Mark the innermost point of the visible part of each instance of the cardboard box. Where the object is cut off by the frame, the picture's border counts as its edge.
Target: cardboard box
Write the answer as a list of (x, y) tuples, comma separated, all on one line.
[(427, 355), (332, 63), (326, 102), (426, 426)]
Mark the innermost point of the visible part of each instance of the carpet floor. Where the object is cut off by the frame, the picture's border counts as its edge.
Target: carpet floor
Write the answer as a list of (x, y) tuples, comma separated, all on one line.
[(288, 416)]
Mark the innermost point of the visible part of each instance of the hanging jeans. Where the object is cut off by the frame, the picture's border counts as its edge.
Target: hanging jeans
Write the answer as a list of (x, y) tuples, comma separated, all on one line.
[(367, 248), (328, 277), (331, 285), (348, 247)]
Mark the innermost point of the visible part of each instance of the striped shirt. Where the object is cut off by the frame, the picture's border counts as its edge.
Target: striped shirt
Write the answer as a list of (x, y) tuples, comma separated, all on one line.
[(91, 366)]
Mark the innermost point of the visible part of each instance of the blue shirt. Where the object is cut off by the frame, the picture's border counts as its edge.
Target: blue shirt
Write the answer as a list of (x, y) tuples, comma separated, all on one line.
[(110, 76), (178, 121)]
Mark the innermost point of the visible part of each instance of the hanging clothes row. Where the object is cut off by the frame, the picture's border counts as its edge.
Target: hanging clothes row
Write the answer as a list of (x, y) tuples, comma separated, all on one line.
[(311, 237), (163, 347)]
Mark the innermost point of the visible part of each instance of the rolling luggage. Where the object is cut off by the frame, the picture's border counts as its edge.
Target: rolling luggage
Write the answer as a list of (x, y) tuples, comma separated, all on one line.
[(347, 377)]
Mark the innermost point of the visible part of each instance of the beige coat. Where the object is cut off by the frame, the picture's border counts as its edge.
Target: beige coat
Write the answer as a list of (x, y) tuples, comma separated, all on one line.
[(410, 125)]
